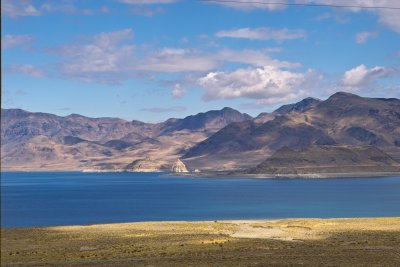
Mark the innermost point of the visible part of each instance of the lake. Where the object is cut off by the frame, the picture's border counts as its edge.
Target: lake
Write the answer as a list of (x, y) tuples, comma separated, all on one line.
[(71, 198)]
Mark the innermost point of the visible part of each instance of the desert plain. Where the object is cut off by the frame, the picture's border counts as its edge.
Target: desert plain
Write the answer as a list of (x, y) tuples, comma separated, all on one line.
[(286, 242)]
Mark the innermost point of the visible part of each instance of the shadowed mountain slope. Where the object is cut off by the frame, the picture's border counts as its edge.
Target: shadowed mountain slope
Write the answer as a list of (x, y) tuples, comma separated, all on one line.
[(341, 119), (299, 107), (327, 159)]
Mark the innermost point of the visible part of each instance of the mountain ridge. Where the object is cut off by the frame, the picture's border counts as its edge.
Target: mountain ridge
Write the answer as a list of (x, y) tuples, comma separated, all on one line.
[(217, 139), (343, 118), (79, 142)]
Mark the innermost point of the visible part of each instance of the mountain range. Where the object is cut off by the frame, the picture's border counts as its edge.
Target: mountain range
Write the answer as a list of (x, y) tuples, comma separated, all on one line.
[(214, 140), (41, 141), (343, 118)]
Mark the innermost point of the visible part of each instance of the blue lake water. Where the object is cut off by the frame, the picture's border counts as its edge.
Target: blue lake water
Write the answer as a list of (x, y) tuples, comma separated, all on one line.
[(69, 198)]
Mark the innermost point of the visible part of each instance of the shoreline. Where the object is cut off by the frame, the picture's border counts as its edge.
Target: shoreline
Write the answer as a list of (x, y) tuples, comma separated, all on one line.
[(285, 176), (280, 242), (228, 174)]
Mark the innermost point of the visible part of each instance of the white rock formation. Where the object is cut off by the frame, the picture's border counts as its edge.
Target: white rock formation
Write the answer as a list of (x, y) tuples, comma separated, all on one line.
[(179, 166)]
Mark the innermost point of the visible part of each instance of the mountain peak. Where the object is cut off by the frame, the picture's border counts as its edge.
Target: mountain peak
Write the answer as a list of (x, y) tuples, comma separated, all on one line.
[(301, 106), (213, 119), (228, 109), (343, 95), (14, 112)]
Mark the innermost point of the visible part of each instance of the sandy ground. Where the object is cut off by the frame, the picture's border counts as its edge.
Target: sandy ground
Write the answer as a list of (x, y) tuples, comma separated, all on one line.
[(289, 242)]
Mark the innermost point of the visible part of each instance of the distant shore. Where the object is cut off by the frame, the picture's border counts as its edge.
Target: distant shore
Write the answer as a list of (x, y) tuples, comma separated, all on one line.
[(230, 174), (308, 242), (233, 174)]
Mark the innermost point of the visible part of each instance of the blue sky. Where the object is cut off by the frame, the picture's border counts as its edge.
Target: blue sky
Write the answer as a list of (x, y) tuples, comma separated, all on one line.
[(156, 59)]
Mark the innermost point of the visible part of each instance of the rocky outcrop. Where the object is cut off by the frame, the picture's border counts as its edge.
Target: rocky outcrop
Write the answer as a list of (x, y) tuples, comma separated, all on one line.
[(179, 166), (143, 165)]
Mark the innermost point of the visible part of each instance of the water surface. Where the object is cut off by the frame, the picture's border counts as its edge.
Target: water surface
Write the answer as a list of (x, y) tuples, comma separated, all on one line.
[(69, 198)]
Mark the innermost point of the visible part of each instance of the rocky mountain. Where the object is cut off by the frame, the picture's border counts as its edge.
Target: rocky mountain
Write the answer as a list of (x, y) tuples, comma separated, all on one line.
[(19, 125), (210, 121), (46, 141), (327, 160), (301, 106), (215, 140), (341, 119)]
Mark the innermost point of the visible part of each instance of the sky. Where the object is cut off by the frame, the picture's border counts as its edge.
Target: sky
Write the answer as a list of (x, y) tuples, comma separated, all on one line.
[(156, 59)]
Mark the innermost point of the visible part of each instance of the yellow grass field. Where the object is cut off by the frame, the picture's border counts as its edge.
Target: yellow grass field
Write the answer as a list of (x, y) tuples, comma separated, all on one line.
[(288, 242)]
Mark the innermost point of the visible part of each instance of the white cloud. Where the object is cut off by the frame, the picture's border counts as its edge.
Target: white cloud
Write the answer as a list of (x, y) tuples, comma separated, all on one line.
[(190, 60), (362, 37), (68, 7), (336, 15), (362, 76), (387, 17), (103, 59), (147, 12), (27, 8), (266, 84), (178, 91), (252, 57), (146, 2), (26, 69), (164, 110), (11, 41), (263, 33), (18, 8), (251, 4), (110, 57), (177, 60), (390, 18)]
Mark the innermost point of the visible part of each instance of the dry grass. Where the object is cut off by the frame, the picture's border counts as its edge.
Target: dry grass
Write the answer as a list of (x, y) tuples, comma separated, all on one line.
[(309, 242)]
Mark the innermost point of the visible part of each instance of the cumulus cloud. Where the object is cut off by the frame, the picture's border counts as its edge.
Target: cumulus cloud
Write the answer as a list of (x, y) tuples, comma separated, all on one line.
[(110, 57), (26, 69), (263, 33), (267, 84), (12, 41), (178, 91), (387, 17), (251, 5), (164, 110), (362, 76), (362, 37)]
